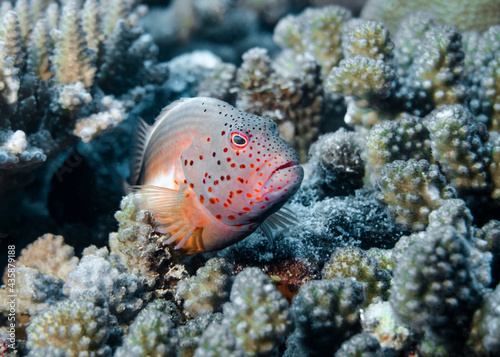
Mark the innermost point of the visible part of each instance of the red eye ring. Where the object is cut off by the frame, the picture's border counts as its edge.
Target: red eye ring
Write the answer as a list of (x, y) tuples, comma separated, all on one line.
[(239, 140)]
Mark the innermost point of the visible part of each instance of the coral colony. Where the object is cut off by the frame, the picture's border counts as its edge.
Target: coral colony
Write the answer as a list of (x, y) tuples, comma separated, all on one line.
[(393, 108)]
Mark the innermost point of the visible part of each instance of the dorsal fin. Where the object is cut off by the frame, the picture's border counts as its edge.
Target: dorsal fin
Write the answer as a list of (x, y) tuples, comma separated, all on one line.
[(139, 144), (141, 138)]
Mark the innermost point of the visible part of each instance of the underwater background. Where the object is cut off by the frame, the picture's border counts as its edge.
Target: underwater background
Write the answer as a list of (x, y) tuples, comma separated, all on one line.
[(393, 108)]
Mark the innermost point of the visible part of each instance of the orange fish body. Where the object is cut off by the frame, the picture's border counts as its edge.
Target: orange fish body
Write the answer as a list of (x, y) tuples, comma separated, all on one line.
[(213, 174)]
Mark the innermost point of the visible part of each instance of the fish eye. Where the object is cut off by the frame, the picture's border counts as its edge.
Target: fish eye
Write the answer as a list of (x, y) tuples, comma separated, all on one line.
[(239, 140)]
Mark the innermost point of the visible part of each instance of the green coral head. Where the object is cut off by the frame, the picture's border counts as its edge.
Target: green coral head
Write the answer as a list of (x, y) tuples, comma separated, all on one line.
[(362, 77)]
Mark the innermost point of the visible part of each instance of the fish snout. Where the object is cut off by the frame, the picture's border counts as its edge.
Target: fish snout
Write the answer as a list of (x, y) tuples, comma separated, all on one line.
[(283, 181)]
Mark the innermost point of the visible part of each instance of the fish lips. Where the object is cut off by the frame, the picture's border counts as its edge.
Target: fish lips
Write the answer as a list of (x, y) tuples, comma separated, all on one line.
[(284, 181)]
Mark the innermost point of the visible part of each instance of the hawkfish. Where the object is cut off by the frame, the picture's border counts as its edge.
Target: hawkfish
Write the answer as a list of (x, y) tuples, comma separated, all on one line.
[(213, 174)]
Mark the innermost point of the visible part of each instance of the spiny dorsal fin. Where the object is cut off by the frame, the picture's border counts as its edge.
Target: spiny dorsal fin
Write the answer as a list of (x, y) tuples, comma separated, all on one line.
[(141, 138), (139, 144)]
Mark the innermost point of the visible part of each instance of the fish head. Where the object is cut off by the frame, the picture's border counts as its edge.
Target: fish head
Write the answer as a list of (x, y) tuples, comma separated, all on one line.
[(241, 170)]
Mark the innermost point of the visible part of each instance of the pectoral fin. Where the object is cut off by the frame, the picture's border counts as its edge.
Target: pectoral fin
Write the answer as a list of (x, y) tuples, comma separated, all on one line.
[(170, 208)]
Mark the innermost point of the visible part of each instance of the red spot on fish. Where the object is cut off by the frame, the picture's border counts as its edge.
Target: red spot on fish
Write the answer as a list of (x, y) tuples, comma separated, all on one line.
[(201, 157), (210, 189), (206, 174), (191, 185), (223, 133), (185, 162), (242, 166), (231, 194), (175, 181), (212, 201), (249, 195), (222, 178), (262, 207), (225, 205), (185, 182), (247, 209), (208, 139), (187, 195), (213, 154), (231, 217), (250, 227), (233, 165), (239, 191), (252, 166), (228, 177), (240, 179), (228, 159), (218, 216), (238, 226), (216, 182), (258, 198), (225, 149)]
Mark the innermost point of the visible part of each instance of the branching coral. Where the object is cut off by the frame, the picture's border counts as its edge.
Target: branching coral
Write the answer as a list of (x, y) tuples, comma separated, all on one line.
[(124, 293), (257, 313), (151, 334), (315, 31), (488, 240), (336, 160), (51, 57), (484, 59), (208, 290), (326, 313), (353, 262), (218, 340), (49, 255), (434, 289), (494, 168), (141, 249), (362, 77), (190, 334), (361, 344), (458, 144), (423, 70), (71, 328), (402, 139), (413, 189), (453, 212), (476, 15), (379, 320), (35, 291), (287, 90), (436, 74), (485, 329)]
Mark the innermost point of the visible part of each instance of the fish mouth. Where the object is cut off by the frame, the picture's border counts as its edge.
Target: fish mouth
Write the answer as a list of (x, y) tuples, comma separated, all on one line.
[(289, 164)]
